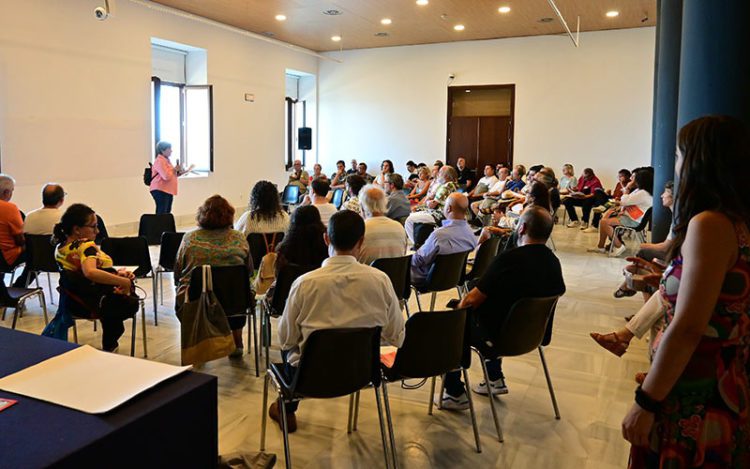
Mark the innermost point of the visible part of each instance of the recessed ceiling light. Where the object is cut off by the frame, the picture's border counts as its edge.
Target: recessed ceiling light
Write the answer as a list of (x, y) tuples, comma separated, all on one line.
[(504, 9), (381, 34), (613, 14), (459, 27), (422, 2), (332, 12), (386, 21), (335, 38), (468, 91), (280, 17), (546, 20)]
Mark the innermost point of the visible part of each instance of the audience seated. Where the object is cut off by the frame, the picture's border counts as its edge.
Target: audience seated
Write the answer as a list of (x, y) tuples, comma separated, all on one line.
[(342, 293), (607, 201), (338, 181), (317, 172), (91, 288), (303, 244), (11, 225), (299, 177), (431, 210), (354, 184), (398, 206), (484, 184), (422, 186), (454, 236), (386, 168), (531, 270), (568, 181), (354, 169), (383, 237), (265, 214), (466, 176), (318, 198), (411, 167), (582, 196), (362, 172), (42, 221), (213, 243), (492, 195)]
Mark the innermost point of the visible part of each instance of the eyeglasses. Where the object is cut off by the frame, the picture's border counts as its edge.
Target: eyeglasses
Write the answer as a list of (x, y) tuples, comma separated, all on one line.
[(93, 226)]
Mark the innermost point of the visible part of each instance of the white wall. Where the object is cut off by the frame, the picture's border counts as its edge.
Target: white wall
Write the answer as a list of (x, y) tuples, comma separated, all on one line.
[(589, 106), (75, 104)]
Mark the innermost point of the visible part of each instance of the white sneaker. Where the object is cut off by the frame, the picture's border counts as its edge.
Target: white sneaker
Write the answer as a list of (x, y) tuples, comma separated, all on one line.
[(599, 209), (574, 224), (584, 226), (591, 229), (497, 387), (617, 252), (597, 250), (449, 402)]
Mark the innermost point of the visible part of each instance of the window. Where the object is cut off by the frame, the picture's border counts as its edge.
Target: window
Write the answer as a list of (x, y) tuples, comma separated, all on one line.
[(181, 112), (299, 111)]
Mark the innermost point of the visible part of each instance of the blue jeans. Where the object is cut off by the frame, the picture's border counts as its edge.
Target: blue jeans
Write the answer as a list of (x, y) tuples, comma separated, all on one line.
[(163, 202)]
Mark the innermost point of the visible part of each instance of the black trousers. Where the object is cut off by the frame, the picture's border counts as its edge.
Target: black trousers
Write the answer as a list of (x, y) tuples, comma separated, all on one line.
[(115, 309), (585, 204)]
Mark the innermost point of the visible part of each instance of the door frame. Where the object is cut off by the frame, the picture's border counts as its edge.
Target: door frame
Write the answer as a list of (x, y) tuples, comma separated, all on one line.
[(453, 89)]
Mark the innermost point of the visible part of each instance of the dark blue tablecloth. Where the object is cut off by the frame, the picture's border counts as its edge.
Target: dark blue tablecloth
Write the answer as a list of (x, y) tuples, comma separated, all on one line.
[(171, 425)]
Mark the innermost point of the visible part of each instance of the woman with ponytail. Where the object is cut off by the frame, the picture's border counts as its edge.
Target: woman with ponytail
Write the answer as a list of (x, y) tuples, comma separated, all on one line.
[(90, 286)]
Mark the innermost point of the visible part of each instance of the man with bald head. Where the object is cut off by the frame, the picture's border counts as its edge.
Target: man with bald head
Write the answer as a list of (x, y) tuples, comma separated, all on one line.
[(42, 220), (384, 238), (430, 211), (454, 236)]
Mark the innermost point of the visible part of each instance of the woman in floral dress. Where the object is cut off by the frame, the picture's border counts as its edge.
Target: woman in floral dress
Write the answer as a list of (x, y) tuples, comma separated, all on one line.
[(693, 409)]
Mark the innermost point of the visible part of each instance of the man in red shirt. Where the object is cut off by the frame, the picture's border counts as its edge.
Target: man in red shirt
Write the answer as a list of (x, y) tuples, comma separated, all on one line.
[(582, 197), (11, 224)]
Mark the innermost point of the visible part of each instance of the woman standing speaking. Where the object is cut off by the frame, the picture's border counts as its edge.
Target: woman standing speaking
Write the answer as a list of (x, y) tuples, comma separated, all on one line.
[(164, 178)]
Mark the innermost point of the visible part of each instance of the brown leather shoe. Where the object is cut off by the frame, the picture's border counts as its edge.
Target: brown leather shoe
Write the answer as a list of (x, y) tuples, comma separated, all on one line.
[(275, 414), (611, 342)]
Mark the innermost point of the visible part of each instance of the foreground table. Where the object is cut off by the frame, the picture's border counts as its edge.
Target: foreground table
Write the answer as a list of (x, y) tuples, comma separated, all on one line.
[(171, 425)]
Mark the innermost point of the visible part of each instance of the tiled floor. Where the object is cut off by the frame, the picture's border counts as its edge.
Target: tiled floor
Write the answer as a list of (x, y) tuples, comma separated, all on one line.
[(594, 390)]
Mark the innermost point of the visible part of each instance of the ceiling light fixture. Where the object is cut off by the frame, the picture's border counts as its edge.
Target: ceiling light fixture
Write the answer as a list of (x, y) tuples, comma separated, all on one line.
[(459, 27), (280, 17), (335, 38), (468, 91), (505, 9), (332, 12), (613, 14), (422, 2), (546, 20), (381, 34), (386, 21)]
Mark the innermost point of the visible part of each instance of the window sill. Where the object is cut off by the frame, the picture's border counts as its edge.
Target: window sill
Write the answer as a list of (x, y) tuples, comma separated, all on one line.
[(196, 175)]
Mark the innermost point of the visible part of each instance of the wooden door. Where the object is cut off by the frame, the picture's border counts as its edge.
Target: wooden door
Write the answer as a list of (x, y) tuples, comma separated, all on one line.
[(494, 141), (463, 140)]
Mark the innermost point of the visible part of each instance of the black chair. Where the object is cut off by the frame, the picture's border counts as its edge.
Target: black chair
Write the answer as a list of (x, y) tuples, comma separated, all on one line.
[(421, 356), (259, 244), (639, 231), (133, 251), (325, 372), (422, 231), (338, 197), (40, 257), (274, 306), (524, 329), (290, 196), (482, 260), (102, 235), (170, 244), (11, 297), (153, 226), (398, 270), (232, 289), (445, 273)]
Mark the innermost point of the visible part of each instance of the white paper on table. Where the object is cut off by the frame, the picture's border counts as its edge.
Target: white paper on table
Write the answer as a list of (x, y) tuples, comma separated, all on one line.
[(88, 379)]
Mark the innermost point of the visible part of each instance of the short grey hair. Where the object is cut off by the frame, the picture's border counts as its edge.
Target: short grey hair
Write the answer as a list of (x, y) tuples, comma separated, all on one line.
[(373, 200), (395, 179), (162, 146), (7, 183)]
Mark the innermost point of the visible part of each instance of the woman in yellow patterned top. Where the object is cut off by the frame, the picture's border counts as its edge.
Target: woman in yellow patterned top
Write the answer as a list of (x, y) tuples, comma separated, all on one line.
[(430, 211), (91, 287)]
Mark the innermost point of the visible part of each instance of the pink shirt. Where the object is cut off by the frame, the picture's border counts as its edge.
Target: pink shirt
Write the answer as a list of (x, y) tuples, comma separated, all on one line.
[(163, 176)]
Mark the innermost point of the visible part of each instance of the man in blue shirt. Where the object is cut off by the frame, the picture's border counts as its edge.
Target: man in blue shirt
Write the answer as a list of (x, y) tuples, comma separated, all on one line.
[(454, 236)]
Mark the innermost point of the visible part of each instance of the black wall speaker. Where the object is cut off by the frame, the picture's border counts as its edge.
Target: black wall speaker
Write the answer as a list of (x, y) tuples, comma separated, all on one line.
[(304, 138)]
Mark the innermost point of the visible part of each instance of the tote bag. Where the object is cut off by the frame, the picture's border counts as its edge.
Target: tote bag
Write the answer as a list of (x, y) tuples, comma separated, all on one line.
[(204, 327)]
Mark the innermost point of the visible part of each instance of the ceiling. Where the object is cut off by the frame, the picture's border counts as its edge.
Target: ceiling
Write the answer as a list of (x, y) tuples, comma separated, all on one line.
[(359, 20)]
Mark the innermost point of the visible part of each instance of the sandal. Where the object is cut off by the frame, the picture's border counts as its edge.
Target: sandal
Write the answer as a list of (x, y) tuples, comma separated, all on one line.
[(623, 292), (640, 377), (611, 342)]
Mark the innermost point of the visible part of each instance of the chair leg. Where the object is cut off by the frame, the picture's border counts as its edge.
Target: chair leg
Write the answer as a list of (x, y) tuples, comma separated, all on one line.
[(351, 414), (153, 294), (440, 394), (356, 411), (75, 332), (391, 436), (44, 307), (432, 395), (264, 413), (382, 425), (143, 328), (419, 304), (549, 383), (285, 432), (132, 336), (51, 293), (432, 301), (161, 288), (406, 307), (16, 313), (499, 430), (471, 410), (255, 344)]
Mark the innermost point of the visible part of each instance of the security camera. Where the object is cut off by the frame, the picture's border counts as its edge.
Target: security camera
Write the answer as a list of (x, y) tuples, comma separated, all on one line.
[(452, 76), (101, 13)]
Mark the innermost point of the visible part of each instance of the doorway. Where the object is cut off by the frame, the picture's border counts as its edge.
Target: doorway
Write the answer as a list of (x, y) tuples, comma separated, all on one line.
[(480, 125)]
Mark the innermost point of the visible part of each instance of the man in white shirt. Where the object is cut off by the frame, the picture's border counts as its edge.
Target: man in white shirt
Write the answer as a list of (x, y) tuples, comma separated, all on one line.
[(493, 194), (342, 293), (320, 188), (43, 220), (383, 237), (484, 184)]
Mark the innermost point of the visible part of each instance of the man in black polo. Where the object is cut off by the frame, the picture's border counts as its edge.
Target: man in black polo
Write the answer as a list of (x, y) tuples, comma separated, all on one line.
[(529, 271), (466, 176)]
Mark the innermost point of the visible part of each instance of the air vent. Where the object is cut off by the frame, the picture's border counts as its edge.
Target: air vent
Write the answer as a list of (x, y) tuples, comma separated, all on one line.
[(381, 34), (546, 20), (332, 12)]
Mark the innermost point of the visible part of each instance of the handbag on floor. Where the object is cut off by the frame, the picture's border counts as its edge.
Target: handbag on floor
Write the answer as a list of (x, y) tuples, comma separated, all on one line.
[(204, 328)]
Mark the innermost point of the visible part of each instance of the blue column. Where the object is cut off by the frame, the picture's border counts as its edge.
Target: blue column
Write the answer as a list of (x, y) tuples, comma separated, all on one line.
[(666, 92)]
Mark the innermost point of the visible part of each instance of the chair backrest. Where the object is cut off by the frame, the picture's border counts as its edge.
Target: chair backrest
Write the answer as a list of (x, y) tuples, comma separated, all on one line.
[(152, 226), (231, 287), (525, 326), (338, 362), (102, 235), (40, 253), (287, 275), (422, 231), (170, 244), (338, 197), (257, 242), (421, 356), (131, 250), (398, 270), (446, 272), (290, 195), (485, 255), (5, 298), (645, 221)]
